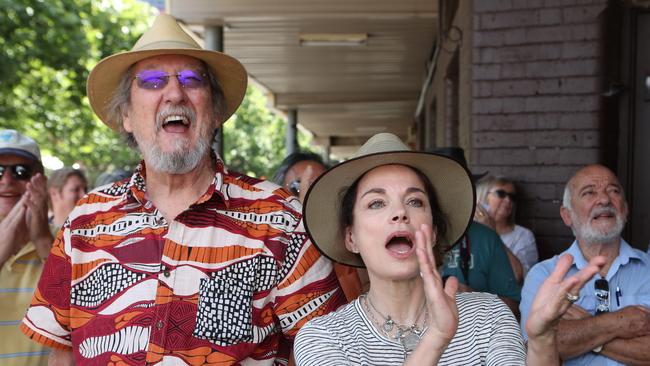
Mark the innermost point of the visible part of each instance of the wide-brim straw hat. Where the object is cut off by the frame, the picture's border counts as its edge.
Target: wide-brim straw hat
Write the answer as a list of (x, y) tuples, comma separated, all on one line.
[(165, 37), (451, 181)]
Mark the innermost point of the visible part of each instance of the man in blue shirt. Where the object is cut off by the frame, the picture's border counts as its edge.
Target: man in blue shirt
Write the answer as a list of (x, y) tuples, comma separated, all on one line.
[(609, 322)]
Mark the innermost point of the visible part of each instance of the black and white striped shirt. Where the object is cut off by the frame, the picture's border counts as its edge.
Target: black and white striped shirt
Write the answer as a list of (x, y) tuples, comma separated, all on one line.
[(487, 334)]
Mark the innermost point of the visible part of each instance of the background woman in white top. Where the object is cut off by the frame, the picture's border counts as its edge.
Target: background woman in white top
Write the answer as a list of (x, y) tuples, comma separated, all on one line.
[(497, 196), (389, 209)]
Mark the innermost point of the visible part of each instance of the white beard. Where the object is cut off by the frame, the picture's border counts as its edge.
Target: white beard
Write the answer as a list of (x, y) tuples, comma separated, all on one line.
[(590, 234)]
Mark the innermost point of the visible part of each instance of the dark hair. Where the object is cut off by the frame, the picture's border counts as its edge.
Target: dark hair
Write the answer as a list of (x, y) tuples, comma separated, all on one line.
[(439, 220), (293, 159)]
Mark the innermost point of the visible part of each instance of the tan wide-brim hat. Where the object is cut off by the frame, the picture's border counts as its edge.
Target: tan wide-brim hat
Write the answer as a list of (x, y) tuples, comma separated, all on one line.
[(165, 37), (451, 181)]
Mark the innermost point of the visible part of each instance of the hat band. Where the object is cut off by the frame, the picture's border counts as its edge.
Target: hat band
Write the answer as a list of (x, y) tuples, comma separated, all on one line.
[(166, 45)]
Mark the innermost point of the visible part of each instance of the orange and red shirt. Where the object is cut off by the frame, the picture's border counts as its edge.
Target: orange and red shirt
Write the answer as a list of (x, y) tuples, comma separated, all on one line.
[(228, 281)]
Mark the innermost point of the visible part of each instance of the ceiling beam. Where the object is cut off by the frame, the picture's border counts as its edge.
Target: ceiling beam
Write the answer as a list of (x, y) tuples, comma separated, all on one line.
[(291, 100)]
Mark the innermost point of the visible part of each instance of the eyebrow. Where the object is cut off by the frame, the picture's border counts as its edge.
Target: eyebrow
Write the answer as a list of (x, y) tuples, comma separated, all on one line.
[(592, 186), (383, 191)]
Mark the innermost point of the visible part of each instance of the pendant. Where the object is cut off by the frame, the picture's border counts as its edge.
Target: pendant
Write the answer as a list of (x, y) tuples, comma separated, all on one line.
[(388, 325), (409, 340)]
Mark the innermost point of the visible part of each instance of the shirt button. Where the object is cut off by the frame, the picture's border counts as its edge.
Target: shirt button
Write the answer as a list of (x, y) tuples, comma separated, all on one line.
[(166, 273), (159, 325)]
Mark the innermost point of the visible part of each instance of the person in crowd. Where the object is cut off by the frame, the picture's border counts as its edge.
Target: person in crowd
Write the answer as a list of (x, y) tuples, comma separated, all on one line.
[(609, 321), (186, 263), (25, 242), (296, 173), (479, 260), (65, 186), (497, 196), (395, 211), (111, 177)]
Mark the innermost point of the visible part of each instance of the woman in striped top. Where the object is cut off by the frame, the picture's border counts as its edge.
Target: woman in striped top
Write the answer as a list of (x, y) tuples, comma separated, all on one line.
[(389, 209)]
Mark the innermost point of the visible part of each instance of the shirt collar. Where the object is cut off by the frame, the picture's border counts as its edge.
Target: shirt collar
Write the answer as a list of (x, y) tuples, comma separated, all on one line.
[(137, 187), (625, 253), (25, 250)]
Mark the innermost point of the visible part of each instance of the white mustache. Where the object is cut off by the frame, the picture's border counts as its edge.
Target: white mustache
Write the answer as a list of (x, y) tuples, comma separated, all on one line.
[(604, 210), (174, 110)]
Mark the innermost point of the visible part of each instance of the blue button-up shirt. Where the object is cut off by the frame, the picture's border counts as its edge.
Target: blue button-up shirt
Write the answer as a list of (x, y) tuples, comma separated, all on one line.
[(629, 284)]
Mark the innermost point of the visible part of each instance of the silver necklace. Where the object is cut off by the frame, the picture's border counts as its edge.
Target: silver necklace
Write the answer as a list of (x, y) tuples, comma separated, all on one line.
[(408, 336)]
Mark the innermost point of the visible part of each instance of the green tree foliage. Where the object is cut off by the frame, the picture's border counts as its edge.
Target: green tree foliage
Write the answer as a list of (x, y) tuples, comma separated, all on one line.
[(48, 49), (49, 46), (255, 138)]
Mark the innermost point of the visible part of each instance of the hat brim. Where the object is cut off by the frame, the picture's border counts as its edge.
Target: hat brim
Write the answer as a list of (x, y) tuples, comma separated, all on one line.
[(105, 77), (21, 153), (451, 181)]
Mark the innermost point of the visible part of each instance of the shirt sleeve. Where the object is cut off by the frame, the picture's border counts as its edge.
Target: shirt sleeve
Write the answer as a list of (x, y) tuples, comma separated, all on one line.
[(506, 345), (47, 320), (501, 279), (315, 346), (308, 288), (533, 281), (526, 249)]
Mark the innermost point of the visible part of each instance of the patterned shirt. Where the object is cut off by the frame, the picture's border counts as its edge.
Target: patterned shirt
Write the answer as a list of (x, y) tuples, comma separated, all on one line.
[(18, 278), (228, 281)]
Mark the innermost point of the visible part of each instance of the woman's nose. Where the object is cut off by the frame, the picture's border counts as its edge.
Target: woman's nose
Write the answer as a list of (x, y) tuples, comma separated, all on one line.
[(400, 216)]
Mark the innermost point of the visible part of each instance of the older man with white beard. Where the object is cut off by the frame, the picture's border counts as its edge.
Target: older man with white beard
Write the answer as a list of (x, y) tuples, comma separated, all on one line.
[(609, 321), (185, 263)]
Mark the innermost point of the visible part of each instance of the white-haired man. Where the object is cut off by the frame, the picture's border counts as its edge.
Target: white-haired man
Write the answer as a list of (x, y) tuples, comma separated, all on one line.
[(609, 322), (185, 263)]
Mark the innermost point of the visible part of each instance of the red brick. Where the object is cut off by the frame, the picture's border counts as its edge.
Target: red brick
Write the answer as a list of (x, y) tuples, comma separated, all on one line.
[(513, 71), (542, 191), (530, 173), (514, 88), (547, 120), (486, 72), (561, 33), (585, 49), (553, 138), (541, 69), (578, 85), (550, 16), (489, 38), (527, 4), (514, 105), (581, 14), (485, 55), (513, 19), (580, 121), (527, 53), (504, 122), (585, 103), (487, 105), (481, 89), (482, 6), (538, 156)]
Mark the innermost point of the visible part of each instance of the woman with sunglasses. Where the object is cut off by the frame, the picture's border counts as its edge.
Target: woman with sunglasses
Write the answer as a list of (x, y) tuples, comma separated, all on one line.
[(496, 197), (395, 211)]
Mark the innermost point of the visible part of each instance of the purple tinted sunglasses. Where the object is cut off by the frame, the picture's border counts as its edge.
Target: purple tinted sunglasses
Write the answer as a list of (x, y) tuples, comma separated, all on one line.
[(156, 79)]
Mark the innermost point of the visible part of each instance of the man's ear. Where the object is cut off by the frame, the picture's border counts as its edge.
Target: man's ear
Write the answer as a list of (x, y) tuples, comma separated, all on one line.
[(126, 121), (350, 244), (566, 216)]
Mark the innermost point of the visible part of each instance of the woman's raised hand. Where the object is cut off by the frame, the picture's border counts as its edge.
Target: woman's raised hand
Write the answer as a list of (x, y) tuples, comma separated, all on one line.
[(441, 298)]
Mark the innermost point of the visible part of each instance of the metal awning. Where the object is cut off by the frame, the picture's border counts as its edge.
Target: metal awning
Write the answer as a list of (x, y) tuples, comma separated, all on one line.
[(350, 68)]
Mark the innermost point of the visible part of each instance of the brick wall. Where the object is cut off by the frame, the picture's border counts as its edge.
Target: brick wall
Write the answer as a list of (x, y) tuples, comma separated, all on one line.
[(536, 109)]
